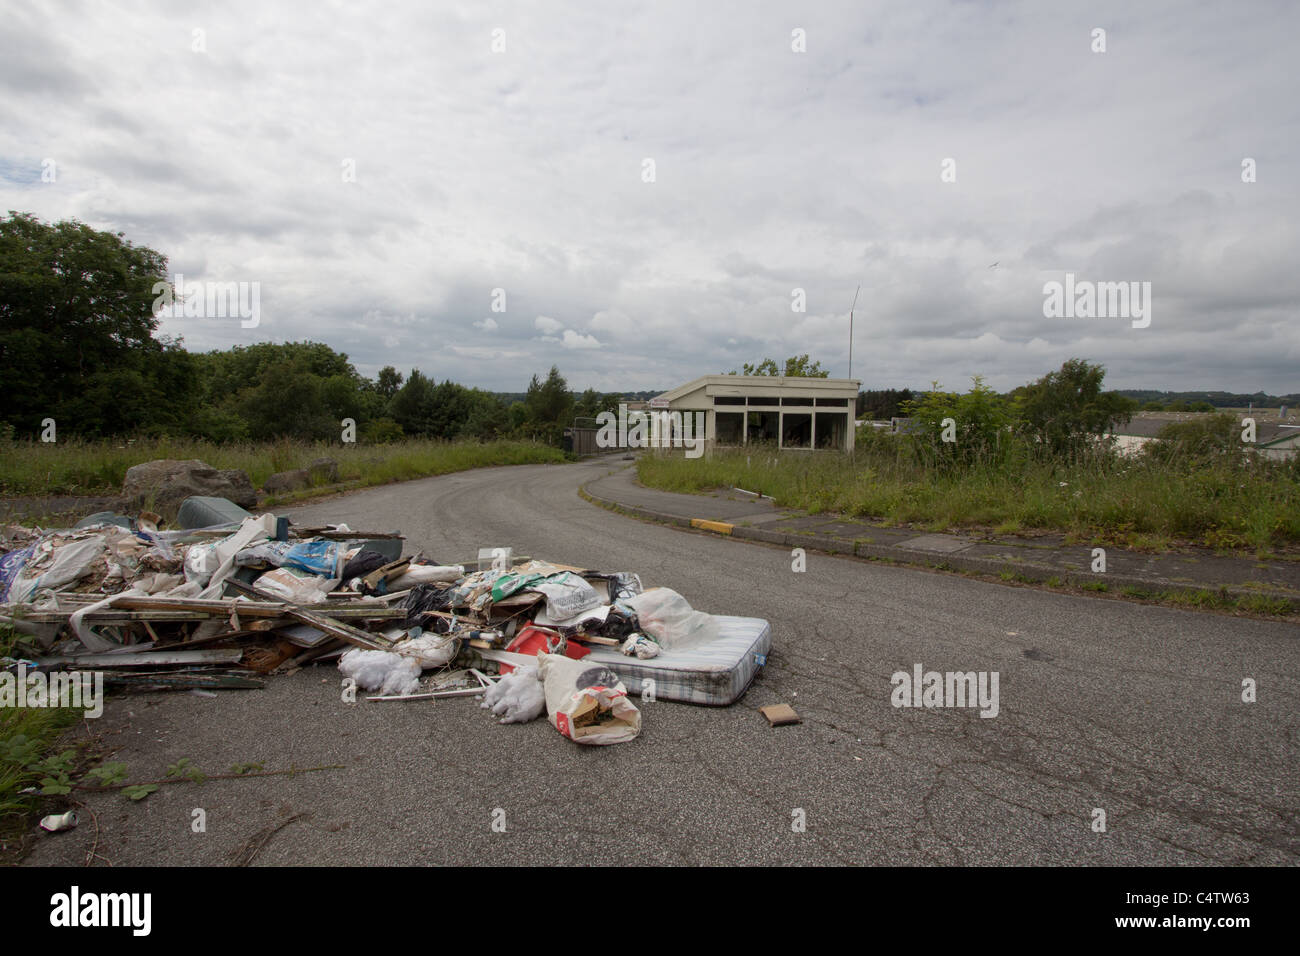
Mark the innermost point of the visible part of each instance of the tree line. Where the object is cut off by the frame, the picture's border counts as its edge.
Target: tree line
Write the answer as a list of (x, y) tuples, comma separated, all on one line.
[(79, 344)]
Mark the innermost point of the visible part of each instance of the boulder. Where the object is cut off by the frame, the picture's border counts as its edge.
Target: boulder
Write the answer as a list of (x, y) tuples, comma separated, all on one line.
[(244, 495), (324, 471), (165, 483), (283, 481)]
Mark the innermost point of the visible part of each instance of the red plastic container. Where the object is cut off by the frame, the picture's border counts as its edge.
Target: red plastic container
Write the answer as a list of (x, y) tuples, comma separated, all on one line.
[(533, 641)]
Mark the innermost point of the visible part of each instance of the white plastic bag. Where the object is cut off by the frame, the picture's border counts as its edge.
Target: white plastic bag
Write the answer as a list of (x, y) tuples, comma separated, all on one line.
[(517, 697), (201, 562), (382, 671), (72, 561), (428, 650), (587, 702), (294, 586), (567, 595), (665, 616), (418, 574)]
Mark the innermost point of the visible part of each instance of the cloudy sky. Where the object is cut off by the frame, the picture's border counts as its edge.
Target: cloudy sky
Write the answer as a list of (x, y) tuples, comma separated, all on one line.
[(649, 183)]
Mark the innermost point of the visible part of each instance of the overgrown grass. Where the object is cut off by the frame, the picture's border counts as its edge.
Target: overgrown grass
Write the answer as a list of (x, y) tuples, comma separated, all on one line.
[(26, 734), (75, 467), (1227, 505)]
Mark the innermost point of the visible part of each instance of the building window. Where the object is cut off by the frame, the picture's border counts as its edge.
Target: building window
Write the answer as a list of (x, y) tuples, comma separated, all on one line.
[(729, 428), (728, 400), (831, 429), (796, 430), (763, 426)]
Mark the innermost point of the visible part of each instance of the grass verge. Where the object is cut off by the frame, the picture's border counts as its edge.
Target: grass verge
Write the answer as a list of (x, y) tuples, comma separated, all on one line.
[(1130, 502), (27, 735), (97, 468)]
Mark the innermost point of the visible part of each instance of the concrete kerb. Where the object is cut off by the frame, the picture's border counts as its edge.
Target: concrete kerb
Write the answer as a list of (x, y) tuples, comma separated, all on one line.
[(1024, 572)]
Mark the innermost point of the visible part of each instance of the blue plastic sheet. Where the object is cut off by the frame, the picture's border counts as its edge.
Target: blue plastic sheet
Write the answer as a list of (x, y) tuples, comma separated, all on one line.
[(314, 557), (10, 566)]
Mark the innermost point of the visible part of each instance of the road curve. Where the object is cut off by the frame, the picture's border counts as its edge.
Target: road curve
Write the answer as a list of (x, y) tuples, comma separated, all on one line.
[(1133, 710)]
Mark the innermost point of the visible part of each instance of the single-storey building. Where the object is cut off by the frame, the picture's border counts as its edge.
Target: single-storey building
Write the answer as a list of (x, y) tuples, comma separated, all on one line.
[(740, 410), (1284, 443), (1272, 439)]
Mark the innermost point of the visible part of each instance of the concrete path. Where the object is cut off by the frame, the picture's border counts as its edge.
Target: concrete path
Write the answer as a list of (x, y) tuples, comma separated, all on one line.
[(1038, 557)]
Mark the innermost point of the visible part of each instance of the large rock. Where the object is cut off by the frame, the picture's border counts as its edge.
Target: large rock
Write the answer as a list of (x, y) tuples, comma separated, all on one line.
[(165, 483), (244, 496), (324, 471), (283, 481)]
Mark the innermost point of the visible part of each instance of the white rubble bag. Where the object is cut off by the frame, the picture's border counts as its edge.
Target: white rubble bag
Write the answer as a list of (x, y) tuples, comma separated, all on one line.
[(587, 703), (517, 697), (390, 674), (666, 617)]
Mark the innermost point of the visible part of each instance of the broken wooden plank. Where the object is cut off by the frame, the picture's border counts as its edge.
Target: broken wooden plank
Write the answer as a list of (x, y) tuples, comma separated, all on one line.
[(211, 606), (344, 632), (373, 611), (112, 616), (430, 695), (218, 655), (331, 535), (593, 639), (184, 681)]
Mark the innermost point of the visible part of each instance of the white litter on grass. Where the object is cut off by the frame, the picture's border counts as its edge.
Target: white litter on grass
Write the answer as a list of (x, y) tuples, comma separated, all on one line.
[(517, 697), (382, 671)]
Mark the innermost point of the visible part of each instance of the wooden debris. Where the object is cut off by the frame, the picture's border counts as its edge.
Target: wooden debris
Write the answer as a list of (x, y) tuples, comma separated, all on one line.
[(183, 680), (222, 655), (344, 632)]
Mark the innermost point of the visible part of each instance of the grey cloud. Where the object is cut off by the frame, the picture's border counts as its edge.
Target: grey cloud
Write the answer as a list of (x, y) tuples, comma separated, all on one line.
[(775, 170)]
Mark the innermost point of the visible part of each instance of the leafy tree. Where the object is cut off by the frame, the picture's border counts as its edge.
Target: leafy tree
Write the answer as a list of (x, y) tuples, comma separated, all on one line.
[(958, 429), (410, 405), (76, 305), (882, 404), (591, 403), (549, 402), (1065, 411), (381, 431), (797, 366), (289, 401), (388, 382)]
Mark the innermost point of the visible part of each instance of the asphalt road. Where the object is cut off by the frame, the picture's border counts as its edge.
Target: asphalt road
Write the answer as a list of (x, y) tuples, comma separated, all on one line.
[(1131, 709)]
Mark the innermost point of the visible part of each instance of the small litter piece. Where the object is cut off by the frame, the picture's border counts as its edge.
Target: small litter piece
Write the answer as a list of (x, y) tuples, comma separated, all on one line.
[(640, 647), (778, 715), (58, 822)]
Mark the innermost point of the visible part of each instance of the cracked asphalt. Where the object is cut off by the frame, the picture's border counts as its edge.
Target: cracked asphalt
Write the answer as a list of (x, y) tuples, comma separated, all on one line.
[(1131, 709)]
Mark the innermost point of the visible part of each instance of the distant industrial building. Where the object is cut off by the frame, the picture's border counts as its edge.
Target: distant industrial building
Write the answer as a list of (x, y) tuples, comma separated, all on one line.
[(1272, 439), (789, 413)]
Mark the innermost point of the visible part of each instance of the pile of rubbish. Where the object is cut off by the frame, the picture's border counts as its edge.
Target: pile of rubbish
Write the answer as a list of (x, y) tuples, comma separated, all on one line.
[(222, 607)]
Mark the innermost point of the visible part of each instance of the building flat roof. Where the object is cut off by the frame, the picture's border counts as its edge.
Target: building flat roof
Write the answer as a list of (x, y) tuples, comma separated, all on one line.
[(712, 385)]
